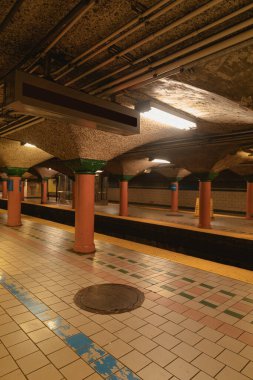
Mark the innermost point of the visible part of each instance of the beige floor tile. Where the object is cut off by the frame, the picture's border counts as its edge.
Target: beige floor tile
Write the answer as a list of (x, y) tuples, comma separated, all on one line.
[(171, 328), (141, 312), (231, 343), (143, 344), (210, 334), (77, 371), (32, 325), (59, 306), (7, 364), (41, 334), (17, 310), (24, 317), (90, 328), (233, 360), (209, 348), (14, 338), (161, 356), (153, 370), (191, 325), (51, 345), (189, 337), (94, 376), (166, 340), (134, 323), (202, 376), (185, 351), (63, 357), (22, 349), (3, 351), (182, 369), (8, 328), (68, 313), (103, 337), (207, 364), (247, 352), (113, 325), (15, 375), (32, 362), (150, 331), (156, 320), (248, 370), (78, 320), (135, 360), (230, 374), (127, 334), (48, 372), (118, 348), (5, 318)]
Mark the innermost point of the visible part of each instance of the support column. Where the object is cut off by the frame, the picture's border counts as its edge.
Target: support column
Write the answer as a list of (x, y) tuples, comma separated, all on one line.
[(85, 170), (22, 195), (249, 204), (174, 196), (14, 196), (4, 188), (44, 191), (73, 194), (205, 204), (123, 185)]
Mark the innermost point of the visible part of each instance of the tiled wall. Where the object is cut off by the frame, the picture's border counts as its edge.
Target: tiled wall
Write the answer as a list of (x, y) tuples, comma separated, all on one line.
[(223, 200)]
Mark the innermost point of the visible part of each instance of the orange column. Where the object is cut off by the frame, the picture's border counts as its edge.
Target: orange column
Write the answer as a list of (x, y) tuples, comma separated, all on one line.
[(14, 201), (22, 194), (205, 204), (4, 188), (73, 194), (123, 210), (249, 205), (44, 191), (174, 196), (84, 215)]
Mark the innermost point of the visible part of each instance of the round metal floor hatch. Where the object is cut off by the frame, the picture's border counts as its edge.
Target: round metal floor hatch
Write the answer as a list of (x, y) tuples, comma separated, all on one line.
[(109, 298)]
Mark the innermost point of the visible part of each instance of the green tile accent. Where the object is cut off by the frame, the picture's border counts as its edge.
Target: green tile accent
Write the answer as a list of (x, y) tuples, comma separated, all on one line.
[(111, 266), (186, 295), (248, 299), (123, 271), (207, 286), (132, 261), (227, 293), (136, 275), (188, 279), (166, 287), (209, 304), (171, 274), (233, 314)]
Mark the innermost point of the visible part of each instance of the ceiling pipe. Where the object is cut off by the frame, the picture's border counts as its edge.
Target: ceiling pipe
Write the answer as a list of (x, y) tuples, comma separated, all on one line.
[(6, 129), (145, 40), (10, 14), (170, 45), (115, 37), (55, 35), (164, 65)]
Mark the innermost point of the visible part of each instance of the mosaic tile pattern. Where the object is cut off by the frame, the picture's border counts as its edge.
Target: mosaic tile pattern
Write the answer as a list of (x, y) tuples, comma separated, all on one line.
[(192, 325)]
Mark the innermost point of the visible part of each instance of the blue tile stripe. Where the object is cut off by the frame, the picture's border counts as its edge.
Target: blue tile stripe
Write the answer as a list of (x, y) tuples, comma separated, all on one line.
[(101, 361)]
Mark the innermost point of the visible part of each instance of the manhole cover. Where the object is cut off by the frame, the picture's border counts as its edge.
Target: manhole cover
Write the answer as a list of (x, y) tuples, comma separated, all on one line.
[(109, 298)]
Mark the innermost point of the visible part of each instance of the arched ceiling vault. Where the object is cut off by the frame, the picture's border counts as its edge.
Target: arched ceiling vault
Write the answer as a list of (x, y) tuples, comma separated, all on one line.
[(193, 55)]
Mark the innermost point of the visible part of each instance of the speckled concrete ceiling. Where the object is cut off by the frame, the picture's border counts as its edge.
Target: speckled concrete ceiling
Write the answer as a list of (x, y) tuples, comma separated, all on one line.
[(215, 88)]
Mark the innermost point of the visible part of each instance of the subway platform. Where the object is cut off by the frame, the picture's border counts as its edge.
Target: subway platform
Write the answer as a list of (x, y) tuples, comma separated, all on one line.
[(194, 323)]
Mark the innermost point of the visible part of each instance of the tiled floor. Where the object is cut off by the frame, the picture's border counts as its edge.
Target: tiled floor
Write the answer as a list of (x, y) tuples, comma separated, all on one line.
[(193, 324)]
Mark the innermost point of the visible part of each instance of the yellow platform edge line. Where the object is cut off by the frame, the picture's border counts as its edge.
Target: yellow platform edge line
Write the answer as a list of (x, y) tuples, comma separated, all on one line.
[(194, 262)]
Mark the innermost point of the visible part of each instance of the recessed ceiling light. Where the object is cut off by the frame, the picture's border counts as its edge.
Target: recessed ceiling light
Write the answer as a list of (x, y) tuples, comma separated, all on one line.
[(160, 161), (30, 145), (160, 116)]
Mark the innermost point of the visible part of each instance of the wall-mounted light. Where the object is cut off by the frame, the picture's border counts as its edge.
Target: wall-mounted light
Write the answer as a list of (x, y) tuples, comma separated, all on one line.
[(99, 171), (165, 115), (29, 145), (160, 161)]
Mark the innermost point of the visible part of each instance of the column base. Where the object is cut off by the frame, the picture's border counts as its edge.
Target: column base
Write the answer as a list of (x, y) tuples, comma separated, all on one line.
[(13, 225), (205, 227), (249, 217), (84, 249)]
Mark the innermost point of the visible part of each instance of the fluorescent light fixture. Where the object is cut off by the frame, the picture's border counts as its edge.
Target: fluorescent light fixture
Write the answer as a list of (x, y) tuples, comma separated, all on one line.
[(160, 161), (30, 145), (160, 116), (99, 171)]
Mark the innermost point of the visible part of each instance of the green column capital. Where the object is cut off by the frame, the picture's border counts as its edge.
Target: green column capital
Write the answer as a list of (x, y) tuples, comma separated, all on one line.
[(206, 176), (85, 165), (124, 177), (15, 172)]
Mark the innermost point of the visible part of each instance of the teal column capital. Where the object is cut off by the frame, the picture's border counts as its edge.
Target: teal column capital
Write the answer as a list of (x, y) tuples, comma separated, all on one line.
[(124, 177), (85, 165), (206, 177), (15, 172)]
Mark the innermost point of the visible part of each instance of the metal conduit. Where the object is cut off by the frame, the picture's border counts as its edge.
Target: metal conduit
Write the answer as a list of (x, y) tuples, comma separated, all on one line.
[(162, 66), (115, 37), (151, 37), (168, 46)]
